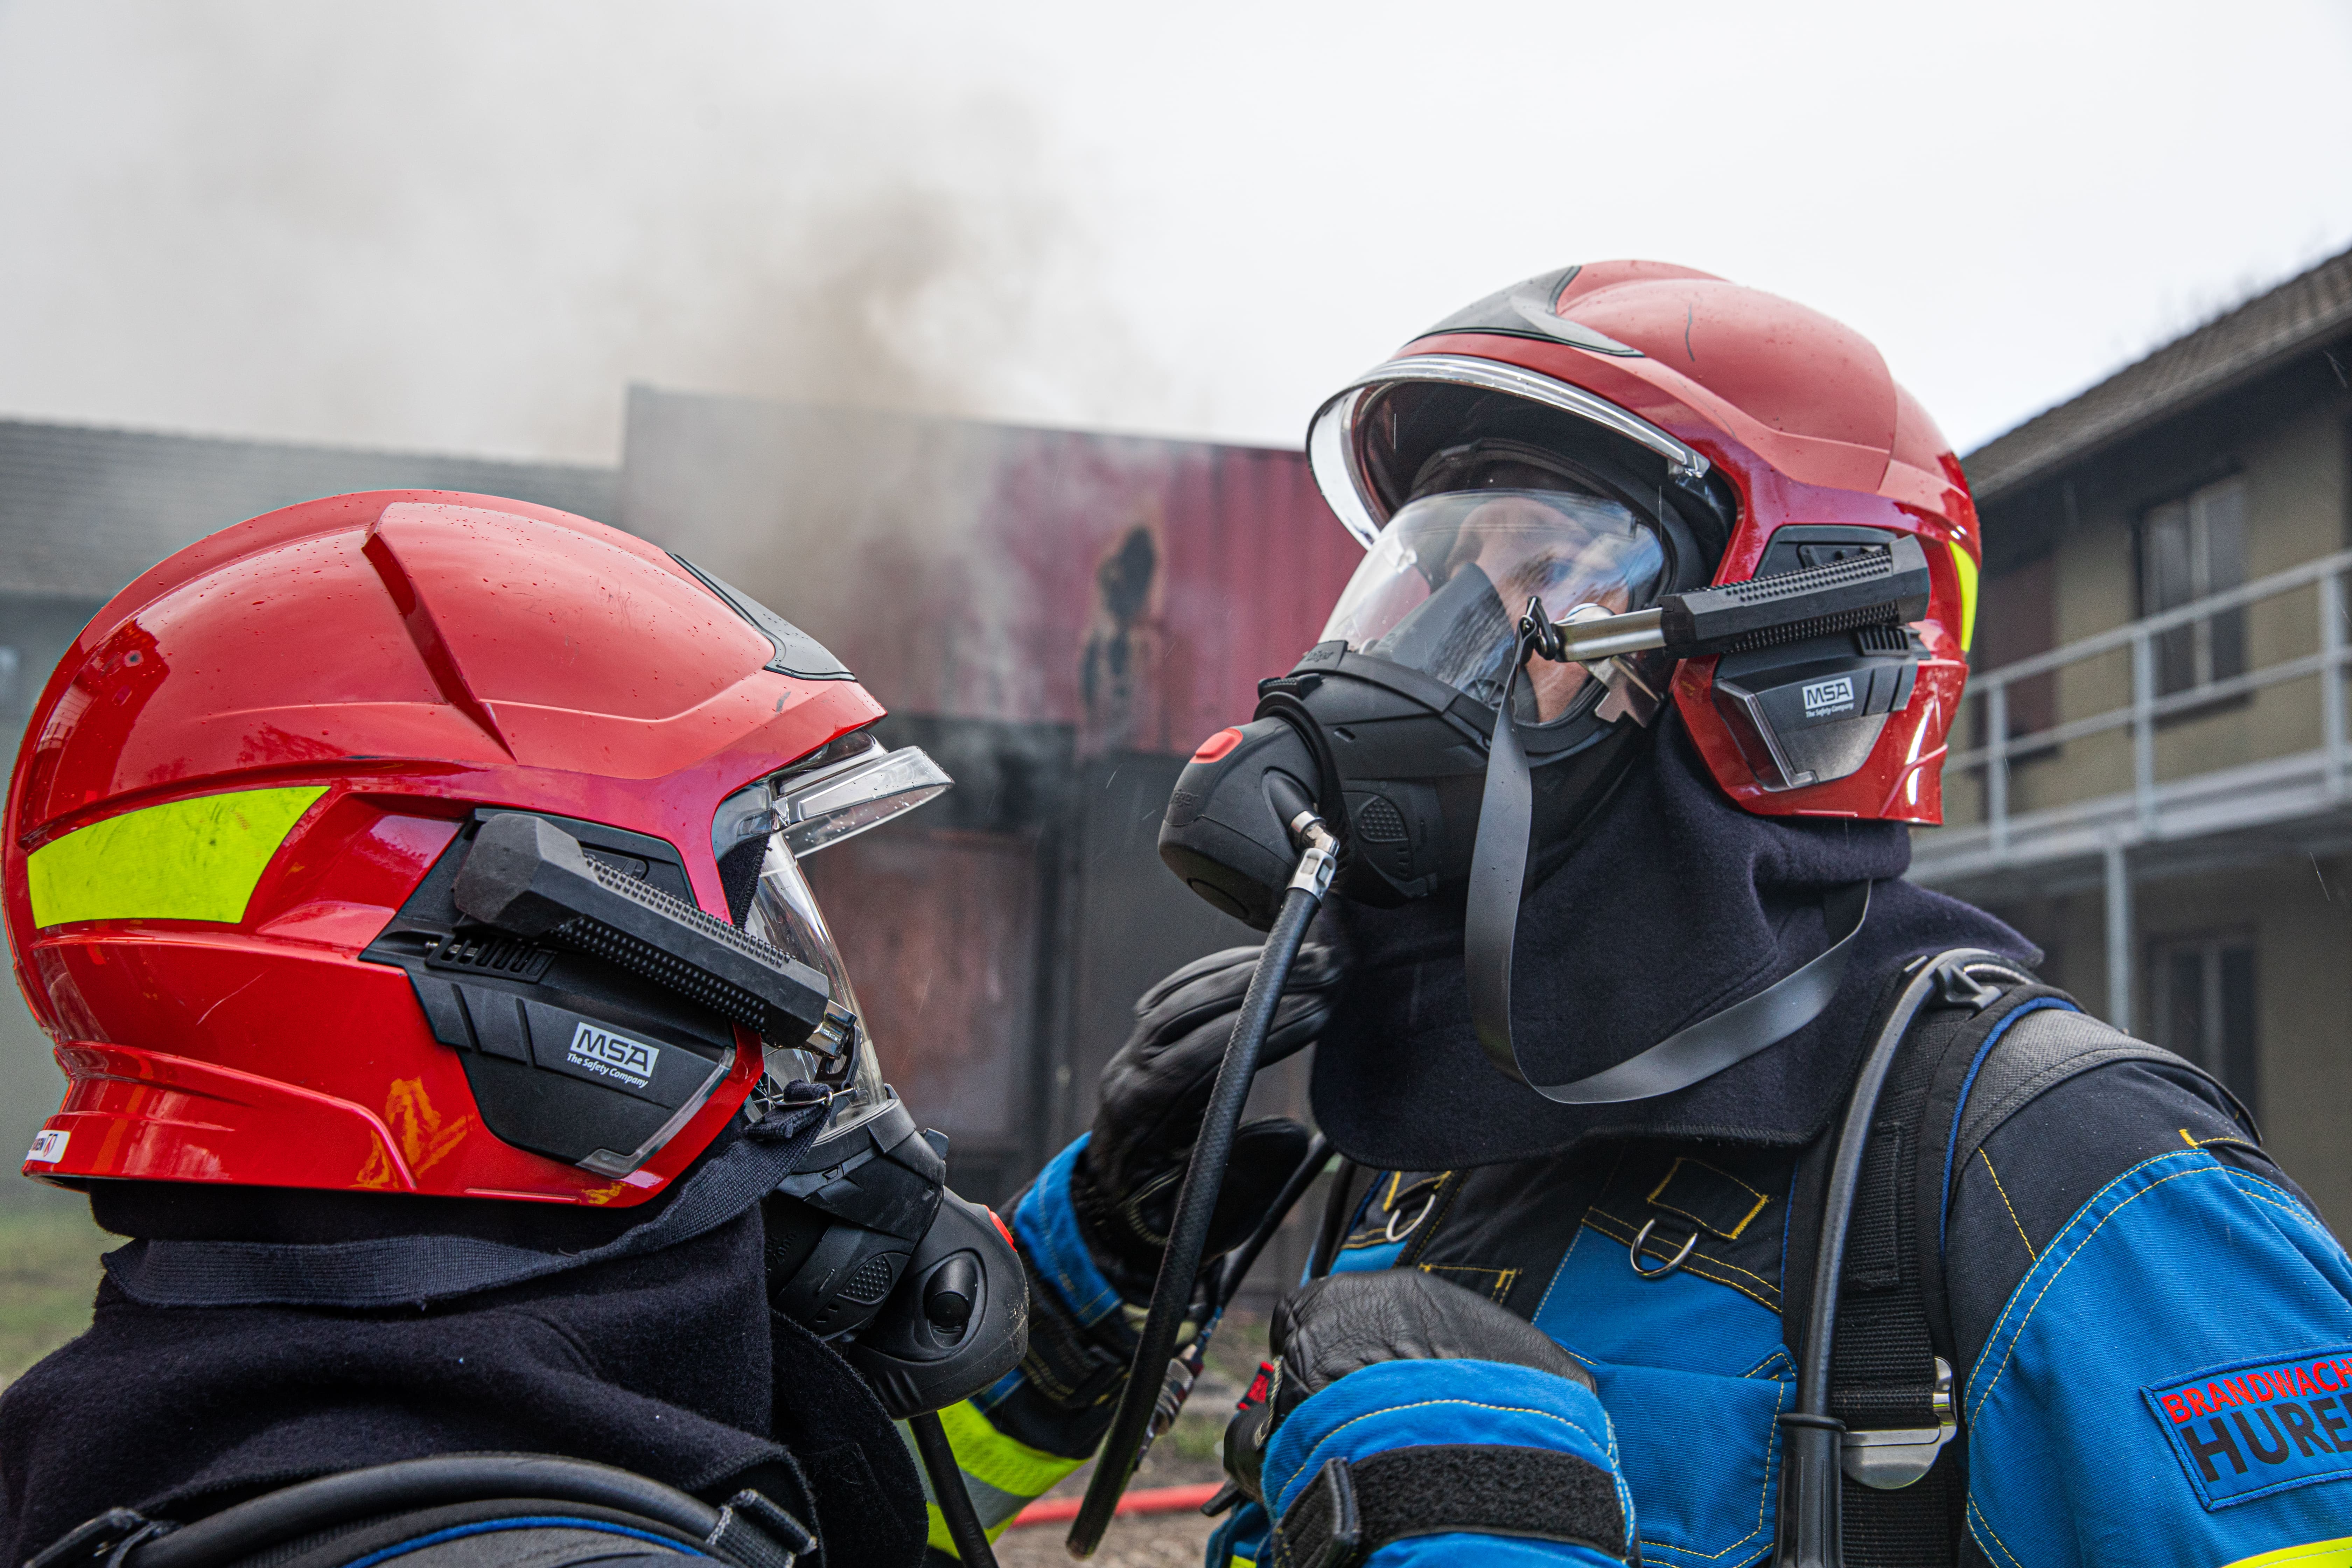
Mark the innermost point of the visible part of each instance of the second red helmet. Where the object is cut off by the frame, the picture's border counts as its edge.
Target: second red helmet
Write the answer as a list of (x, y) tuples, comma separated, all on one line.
[(414, 842), (1668, 429)]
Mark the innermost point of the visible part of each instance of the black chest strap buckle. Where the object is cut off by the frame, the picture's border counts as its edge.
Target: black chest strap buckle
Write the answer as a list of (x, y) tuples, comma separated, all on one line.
[(105, 1540), (1893, 1458)]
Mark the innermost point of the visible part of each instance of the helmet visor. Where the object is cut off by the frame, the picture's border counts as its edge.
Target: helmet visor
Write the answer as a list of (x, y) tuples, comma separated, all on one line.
[(1442, 590), (839, 1056), (852, 785)]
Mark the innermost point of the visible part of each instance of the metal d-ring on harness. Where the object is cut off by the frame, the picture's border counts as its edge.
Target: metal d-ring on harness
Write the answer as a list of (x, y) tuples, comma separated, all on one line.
[(1157, 1380), (1671, 1264), (1391, 1234)]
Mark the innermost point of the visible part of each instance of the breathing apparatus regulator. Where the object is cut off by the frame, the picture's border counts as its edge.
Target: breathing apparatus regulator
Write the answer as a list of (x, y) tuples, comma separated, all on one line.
[(1541, 579)]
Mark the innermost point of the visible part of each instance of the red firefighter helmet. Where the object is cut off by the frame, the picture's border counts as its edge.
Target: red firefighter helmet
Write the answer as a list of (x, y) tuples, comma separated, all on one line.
[(1790, 419), (247, 793)]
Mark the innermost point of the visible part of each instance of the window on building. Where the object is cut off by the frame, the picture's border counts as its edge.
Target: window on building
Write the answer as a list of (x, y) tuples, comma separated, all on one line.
[(2205, 1004), (2191, 548), (2017, 617)]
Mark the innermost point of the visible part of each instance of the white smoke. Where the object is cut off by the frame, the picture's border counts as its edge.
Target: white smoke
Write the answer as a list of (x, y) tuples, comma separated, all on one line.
[(467, 227)]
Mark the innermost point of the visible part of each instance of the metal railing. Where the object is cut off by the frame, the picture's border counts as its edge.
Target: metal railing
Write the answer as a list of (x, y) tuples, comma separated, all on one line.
[(2148, 708)]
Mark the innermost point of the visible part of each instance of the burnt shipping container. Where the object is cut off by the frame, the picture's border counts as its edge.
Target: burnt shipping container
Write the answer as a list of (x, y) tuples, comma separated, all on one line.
[(1059, 618)]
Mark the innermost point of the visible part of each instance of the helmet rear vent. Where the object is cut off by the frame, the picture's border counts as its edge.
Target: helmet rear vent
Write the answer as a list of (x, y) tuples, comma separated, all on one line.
[(490, 953), (1889, 639)]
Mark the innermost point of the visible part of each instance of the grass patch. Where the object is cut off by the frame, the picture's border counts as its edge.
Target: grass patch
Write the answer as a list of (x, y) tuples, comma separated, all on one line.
[(48, 1272), (1199, 1435)]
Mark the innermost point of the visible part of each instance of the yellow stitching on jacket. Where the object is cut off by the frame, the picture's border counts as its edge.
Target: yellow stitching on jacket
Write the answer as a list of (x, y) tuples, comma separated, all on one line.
[(1503, 1278), (1764, 1506), (1769, 1296), (2007, 1205), (1976, 1517), (2213, 1167), (1731, 1234)]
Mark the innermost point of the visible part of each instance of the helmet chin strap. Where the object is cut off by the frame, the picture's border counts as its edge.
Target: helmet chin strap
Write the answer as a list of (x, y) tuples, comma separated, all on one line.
[(1497, 881)]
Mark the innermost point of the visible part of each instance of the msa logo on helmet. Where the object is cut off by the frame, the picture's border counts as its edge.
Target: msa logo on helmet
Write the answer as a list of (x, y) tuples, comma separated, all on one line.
[(1829, 696), (608, 1055)]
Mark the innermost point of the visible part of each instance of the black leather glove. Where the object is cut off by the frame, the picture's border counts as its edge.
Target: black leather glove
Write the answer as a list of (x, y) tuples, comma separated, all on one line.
[(1344, 1322), (1154, 1092)]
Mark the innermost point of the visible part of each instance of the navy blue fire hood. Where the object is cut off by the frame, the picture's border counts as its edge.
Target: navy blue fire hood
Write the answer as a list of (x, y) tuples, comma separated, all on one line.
[(1672, 905)]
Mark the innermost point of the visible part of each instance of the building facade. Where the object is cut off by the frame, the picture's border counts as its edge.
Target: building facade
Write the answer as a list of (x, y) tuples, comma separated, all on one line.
[(2150, 774)]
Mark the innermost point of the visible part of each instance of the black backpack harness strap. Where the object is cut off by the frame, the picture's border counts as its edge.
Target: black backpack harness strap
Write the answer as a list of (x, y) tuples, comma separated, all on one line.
[(1976, 1039), (384, 1509)]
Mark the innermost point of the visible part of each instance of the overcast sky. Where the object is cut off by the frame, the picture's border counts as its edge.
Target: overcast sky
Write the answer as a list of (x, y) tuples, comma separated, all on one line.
[(466, 225)]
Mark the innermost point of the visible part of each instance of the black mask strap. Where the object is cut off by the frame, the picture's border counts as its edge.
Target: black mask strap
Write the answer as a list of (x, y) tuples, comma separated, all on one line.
[(1498, 870)]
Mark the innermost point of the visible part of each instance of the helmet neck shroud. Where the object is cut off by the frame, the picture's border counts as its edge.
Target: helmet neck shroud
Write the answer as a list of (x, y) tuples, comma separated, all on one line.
[(1671, 905)]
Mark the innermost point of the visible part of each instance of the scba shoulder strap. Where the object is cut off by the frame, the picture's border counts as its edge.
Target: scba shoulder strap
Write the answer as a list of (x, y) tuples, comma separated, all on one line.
[(458, 1510), (1991, 1039)]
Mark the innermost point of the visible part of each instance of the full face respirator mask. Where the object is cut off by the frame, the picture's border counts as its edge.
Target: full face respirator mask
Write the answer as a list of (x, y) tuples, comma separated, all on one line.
[(596, 1006), (1383, 726), (1483, 681)]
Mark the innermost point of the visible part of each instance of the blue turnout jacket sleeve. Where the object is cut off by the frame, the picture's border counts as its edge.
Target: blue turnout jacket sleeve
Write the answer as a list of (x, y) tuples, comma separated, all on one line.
[(2168, 1382), (1046, 1229), (2152, 1337)]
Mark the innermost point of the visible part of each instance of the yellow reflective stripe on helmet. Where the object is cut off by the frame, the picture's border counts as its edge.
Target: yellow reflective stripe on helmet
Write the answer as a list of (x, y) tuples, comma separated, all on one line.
[(1964, 567), (186, 860), (2336, 1554)]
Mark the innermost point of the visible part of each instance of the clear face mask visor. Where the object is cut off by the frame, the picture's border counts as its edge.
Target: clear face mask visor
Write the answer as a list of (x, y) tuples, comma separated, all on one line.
[(847, 788), (1442, 587)]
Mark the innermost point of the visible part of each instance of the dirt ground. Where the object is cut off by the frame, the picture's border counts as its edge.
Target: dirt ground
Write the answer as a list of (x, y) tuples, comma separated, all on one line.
[(1149, 1541)]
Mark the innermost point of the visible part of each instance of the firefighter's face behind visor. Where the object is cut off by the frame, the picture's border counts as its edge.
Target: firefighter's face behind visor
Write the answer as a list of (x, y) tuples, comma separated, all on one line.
[(1379, 721), (1442, 590)]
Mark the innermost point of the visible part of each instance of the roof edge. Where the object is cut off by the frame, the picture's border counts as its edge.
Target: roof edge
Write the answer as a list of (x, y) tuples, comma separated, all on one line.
[(2330, 320)]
